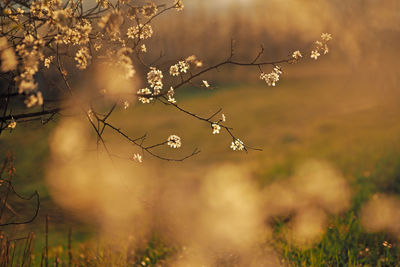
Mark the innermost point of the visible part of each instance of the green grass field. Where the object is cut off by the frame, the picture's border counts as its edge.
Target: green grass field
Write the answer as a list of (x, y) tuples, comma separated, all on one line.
[(352, 125)]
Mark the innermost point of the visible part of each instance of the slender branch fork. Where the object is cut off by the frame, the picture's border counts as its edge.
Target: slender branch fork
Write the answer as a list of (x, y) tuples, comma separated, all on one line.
[(7, 185), (100, 122)]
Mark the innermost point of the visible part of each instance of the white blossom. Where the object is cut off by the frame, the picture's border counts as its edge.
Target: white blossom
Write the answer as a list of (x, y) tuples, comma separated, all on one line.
[(149, 10), (174, 70), (183, 66), (170, 95), (326, 37), (174, 141), (34, 99), (237, 145), (90, 114), (137, 157), (216, 128), (12, 124), (223, 117), (297, 55), (144, 95), (270, 78), (278, 70), (154, 78), (82, 57), (47, 61), (9, 60), (141, 32), (315, 54), (179, 5), (126, 104)]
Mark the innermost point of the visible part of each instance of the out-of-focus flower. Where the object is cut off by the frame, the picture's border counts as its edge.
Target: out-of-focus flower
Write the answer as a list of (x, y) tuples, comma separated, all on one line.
[(174, 70), (103, 3), (149, 10), (34, 99), (179, 5), (223, 117), (141, 32), (326, 37), (318, 44), (278, 70), (47, 61), (205, 83), (126, 104), (137, 158), (111, 22), (198, 64), (386, 244), (191, 59), (12, 124), (90, 114), (82, 57), (326, 49), (9, 61)]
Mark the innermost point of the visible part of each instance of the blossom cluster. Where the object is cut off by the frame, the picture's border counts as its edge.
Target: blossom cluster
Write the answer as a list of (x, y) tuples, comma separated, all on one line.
[(184, 65), (271, 78), (154, 79), (237, 145), (137, 158), (68, 30), (140, 31), (321, 46), (170, 94), (180, 67), (50, 35)]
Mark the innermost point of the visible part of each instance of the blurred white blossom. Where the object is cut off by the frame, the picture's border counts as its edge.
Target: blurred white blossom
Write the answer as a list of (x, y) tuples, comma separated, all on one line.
[(137, 158), (34, 99), (223, 117), (12, 124), (178, 5), (149, 10), (174, 70), (141, 32), (82, 57)]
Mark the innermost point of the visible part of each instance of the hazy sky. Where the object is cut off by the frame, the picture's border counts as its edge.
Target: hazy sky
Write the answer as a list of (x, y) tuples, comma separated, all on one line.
[(218, 3)]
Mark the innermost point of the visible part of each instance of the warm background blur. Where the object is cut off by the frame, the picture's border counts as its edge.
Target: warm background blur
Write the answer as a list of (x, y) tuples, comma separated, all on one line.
[(342, 110)]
